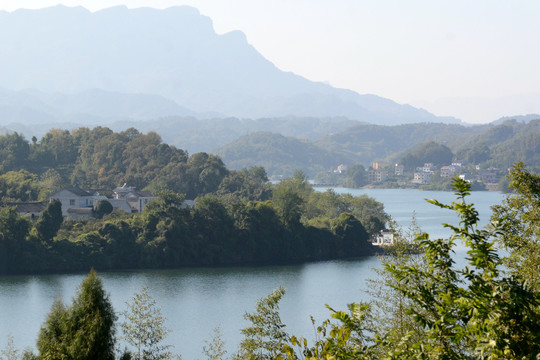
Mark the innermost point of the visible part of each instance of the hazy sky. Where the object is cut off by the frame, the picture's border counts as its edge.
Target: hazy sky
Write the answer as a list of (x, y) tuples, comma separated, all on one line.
[(475, 60)]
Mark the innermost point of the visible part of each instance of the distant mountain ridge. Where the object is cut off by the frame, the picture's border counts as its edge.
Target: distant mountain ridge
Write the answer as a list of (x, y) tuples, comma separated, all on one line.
[(172, 53), (93, 106), (521, 118)]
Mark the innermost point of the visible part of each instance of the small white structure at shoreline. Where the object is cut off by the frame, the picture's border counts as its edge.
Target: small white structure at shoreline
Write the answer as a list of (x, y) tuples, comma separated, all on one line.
[(383, 238)]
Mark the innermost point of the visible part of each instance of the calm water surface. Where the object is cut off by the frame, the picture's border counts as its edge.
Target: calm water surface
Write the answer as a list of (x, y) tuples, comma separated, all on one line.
[(195, 301)]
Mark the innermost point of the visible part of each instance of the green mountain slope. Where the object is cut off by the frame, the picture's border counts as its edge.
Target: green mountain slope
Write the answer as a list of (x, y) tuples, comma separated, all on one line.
[(279, 155), (487, 145)]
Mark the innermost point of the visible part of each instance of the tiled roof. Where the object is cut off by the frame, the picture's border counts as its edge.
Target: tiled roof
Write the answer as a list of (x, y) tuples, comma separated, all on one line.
[(77, 191), (28, 207)]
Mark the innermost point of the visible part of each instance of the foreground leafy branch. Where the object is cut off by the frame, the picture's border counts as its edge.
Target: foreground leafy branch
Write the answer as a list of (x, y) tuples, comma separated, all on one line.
[(473, 312)]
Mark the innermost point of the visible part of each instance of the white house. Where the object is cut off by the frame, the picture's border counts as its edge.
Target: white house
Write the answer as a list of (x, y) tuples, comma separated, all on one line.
[(136, 199), (428, 168), (73, 198), (121, 204)]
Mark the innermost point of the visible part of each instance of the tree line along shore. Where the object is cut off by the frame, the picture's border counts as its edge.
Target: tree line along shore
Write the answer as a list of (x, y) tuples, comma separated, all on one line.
[(423, 306), (237, 217)]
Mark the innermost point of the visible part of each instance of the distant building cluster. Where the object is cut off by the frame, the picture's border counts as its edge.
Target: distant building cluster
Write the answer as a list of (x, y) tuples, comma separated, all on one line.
[(379, 173), (489, 176)]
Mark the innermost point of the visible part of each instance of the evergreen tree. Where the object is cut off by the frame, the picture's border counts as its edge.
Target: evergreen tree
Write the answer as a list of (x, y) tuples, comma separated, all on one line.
[(53, 337), (83, 331), (92, 322)]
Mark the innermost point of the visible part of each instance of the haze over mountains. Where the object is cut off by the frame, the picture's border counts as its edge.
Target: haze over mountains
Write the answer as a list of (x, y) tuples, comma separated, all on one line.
[(168, 71), (144, 63)]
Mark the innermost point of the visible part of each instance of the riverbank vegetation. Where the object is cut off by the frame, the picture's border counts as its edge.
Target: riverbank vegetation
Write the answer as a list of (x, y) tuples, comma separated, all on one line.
[(430, 309), (296, 224), (238, 217)]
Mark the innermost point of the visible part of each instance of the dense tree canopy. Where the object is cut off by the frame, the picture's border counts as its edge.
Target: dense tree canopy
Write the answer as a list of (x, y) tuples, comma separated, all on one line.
[(297, 224), (238, 217), (100, 158)]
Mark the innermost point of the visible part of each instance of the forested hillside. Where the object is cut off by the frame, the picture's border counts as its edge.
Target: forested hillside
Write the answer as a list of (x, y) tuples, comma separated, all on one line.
[(280, 155), (485, 145), (373, 142), (100, 158), (505, 144), (207, 135)]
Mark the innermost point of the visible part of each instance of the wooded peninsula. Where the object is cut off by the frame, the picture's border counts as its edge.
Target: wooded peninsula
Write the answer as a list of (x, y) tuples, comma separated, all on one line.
[(237, 218)]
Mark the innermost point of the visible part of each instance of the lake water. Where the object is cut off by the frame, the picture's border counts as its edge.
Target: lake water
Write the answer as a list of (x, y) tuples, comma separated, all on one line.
[(195, 301)]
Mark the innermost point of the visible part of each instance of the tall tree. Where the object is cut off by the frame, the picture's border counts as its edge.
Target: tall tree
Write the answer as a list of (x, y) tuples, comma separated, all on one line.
[(144, 327), (83, 331), (91, 322), (53, 337)]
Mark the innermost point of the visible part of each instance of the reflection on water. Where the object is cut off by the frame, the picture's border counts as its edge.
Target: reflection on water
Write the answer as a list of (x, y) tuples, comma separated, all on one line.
[(195, 301)]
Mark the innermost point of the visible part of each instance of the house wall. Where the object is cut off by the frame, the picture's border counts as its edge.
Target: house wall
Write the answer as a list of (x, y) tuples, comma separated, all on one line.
[(70, 200)]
